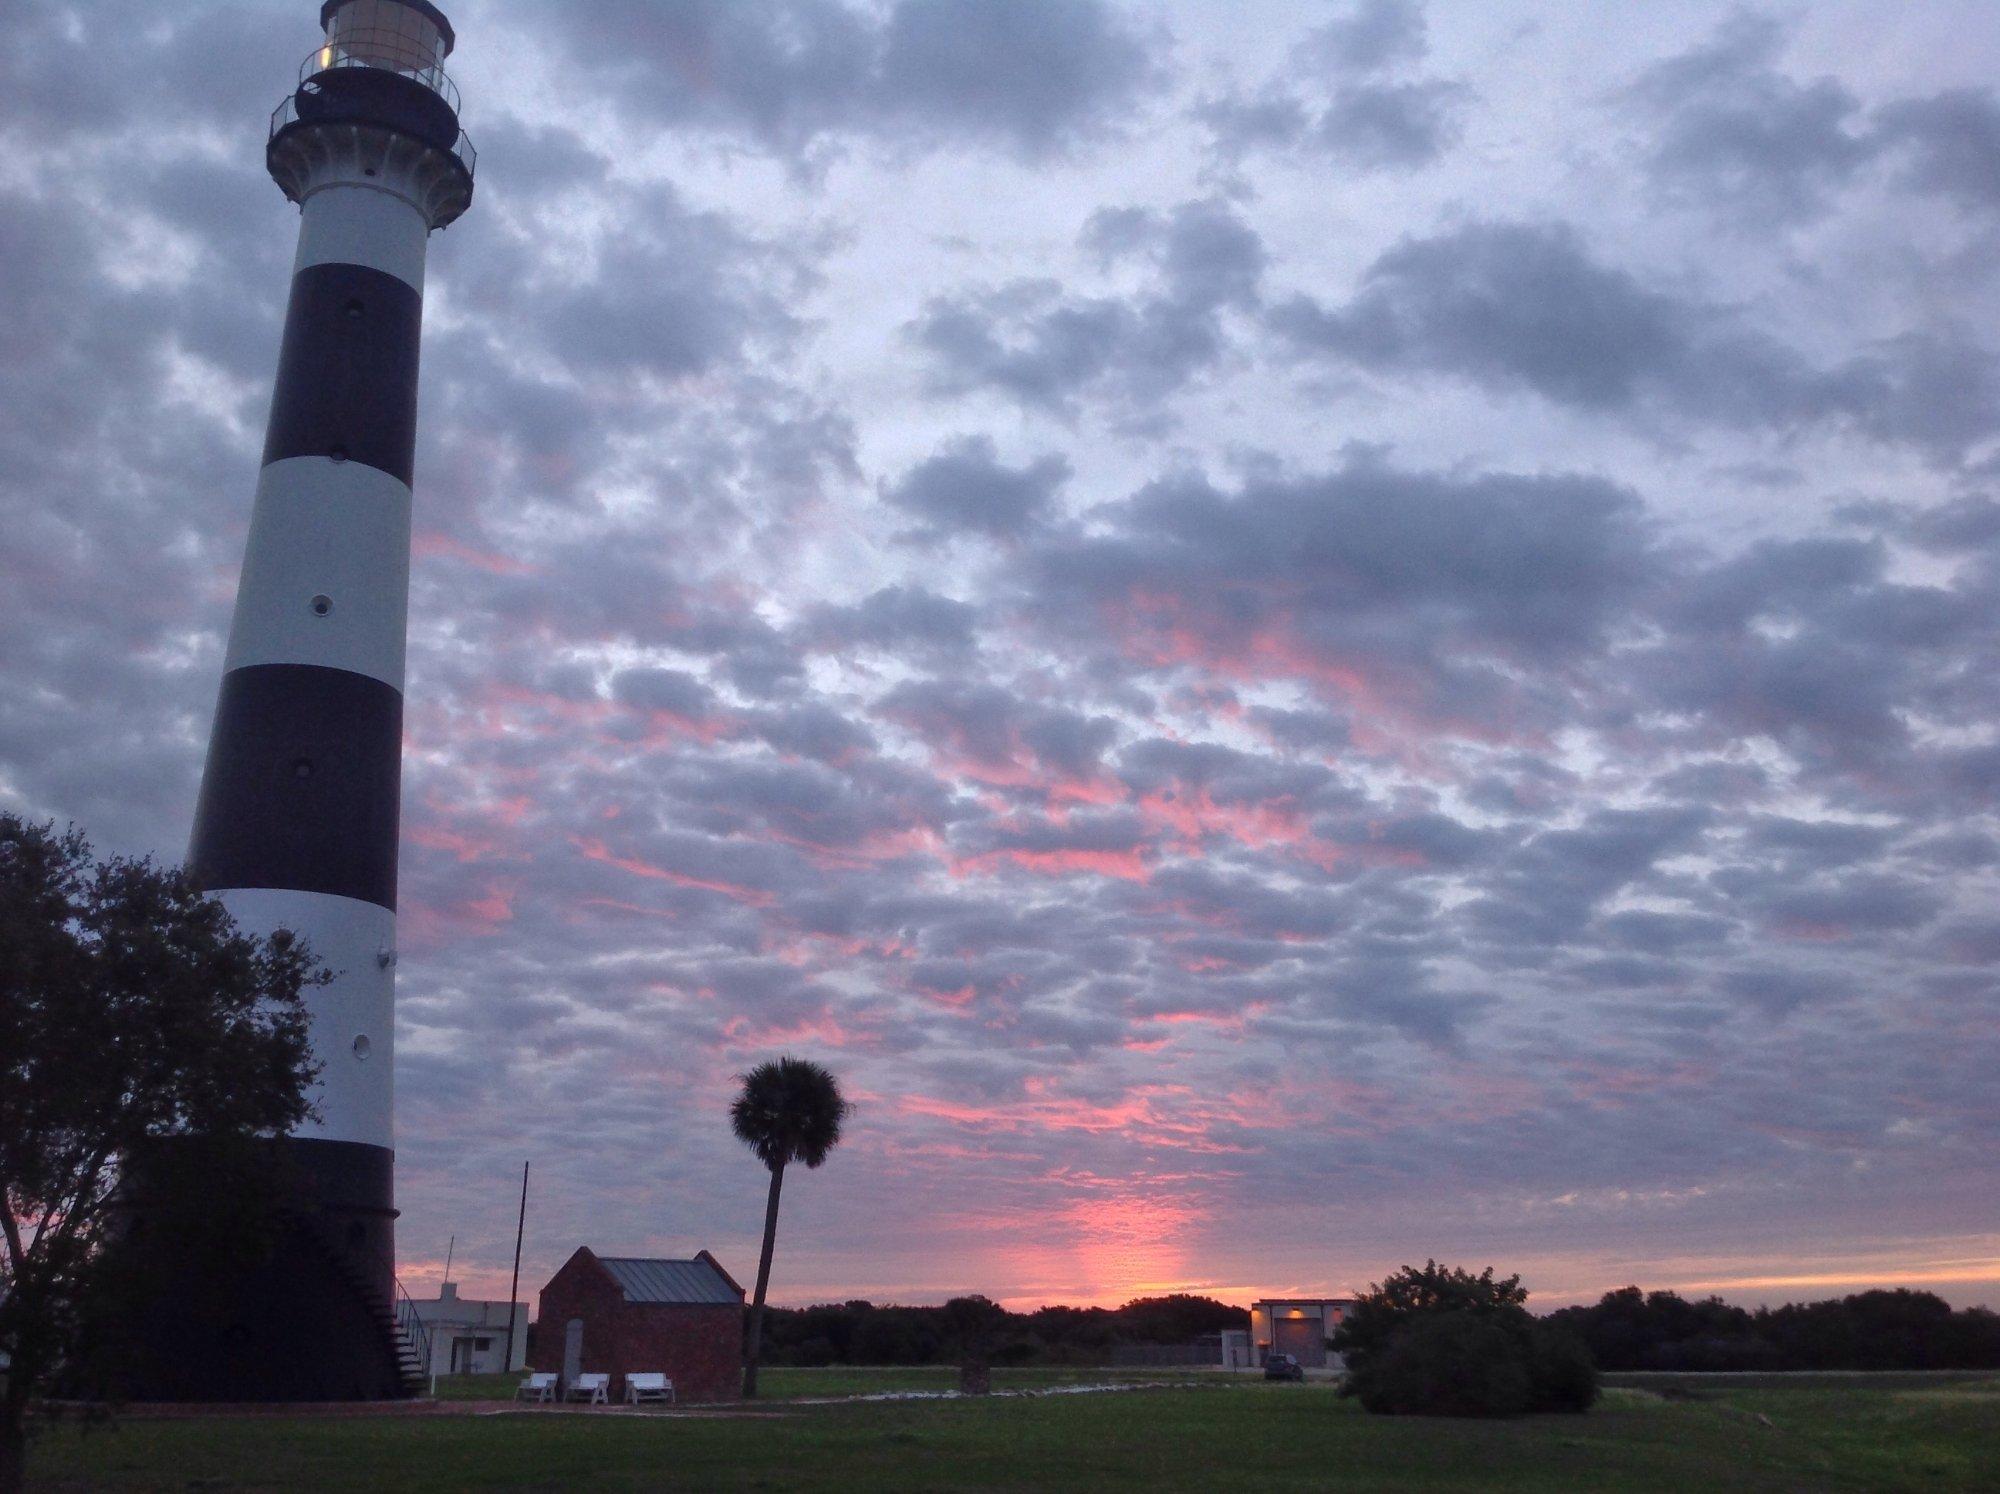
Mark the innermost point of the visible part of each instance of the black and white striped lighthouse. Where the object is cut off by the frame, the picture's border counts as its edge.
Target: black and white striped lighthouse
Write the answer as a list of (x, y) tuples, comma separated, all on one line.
[(296, 827)]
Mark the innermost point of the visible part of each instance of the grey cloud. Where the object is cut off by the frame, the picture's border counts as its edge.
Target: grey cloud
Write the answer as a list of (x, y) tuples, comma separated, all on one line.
[(1035, 73), (1732, 132), (1968, 522), (981, 724), (1270, 120), (1400, 125), (1863, 901), (1373, 34), (1046, 348), (967, 489), (1380, 560), (1525, 306), (671, 690), (1334, 101), (908, 619), (1952, 143), (813, 730), (1035, 76)]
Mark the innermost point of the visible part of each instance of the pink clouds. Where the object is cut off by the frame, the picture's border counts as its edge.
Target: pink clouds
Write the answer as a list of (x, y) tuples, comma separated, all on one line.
[(1127, 866), (431, 545), (596, 850)]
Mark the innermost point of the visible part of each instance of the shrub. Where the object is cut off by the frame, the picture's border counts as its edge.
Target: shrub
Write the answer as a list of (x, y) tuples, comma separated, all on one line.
[(1454, 1364), (1564, 1375), (1443, 1342), (1499, 1363)]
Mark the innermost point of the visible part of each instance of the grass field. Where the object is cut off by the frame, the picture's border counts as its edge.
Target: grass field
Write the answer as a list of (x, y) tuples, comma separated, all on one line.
[(1864, 1433)]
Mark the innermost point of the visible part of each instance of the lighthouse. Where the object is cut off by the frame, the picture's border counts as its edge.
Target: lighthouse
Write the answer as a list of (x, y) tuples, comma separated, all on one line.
[(296, 825)]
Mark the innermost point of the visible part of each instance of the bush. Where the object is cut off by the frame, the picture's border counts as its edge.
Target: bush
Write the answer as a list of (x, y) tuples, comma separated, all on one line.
[(1500, 1363), (1443, 1342), (1455, 1364), (1564, 1375)]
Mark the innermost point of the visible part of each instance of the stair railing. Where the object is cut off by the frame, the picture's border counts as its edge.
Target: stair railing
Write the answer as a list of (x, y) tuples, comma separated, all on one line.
[(415, 1332)]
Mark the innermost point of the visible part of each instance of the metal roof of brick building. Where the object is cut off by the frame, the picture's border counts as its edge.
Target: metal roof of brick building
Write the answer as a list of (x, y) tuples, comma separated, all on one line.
[(695, 1281)]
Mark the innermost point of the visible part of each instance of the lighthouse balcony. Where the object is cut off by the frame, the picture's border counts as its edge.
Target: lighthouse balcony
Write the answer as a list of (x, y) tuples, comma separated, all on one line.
[(390, 121), (339, 86)]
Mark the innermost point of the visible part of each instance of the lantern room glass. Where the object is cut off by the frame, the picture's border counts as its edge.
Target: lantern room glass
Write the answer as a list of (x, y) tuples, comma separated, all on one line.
[(385, 34)]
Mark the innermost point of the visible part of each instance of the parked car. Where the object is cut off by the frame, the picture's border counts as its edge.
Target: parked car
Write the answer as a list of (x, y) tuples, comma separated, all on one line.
[(1283, 1367)]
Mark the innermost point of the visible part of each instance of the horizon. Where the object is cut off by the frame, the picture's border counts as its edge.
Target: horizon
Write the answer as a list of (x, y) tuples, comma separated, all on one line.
[(1294, 638)]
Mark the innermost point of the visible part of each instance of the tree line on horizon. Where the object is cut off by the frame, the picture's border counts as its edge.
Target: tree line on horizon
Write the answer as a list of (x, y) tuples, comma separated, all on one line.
[(1625, 1330), (1630, 1329), (861, 1332)]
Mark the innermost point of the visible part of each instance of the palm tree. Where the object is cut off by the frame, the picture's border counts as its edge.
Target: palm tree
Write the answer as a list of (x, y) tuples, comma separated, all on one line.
[(789, 1111)]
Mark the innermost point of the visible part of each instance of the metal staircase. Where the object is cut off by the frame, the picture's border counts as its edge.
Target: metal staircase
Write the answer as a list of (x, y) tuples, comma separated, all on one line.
[(413, 1345), (404, 1335)]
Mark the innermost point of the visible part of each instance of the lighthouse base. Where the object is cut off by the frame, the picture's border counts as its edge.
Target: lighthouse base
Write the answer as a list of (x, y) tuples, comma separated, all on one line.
[(260, 1271)]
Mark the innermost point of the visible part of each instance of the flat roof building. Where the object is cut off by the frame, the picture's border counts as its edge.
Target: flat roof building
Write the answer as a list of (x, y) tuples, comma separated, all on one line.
[(470, 1338), (1298, 1326)]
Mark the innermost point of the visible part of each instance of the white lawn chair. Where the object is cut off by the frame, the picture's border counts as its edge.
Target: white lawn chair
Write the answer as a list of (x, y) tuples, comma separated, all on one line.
[(537, 1388), (593, 1390), (644, 1387)]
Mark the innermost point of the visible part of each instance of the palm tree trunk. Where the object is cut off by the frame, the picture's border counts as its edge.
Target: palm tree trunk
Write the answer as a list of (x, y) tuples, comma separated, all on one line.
[(754, 1338)]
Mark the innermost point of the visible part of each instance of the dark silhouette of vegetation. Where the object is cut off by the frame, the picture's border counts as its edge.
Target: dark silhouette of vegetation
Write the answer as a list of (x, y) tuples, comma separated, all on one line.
[(131, 1009), (1633, 1330), (1441, 1341), (790, 1110), (860, 1332)]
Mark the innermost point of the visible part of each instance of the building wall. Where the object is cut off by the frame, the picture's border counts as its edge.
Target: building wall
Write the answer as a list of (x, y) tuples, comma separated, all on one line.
[(698, 1347), (450, 1317), (486, 1361), (1297, 1328)]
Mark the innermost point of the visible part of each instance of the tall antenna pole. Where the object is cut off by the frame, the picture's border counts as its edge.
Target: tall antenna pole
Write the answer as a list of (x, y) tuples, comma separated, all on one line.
[(514, 1286)]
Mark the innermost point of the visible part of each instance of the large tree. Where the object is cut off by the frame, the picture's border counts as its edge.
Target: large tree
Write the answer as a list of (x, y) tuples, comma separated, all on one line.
[(790, 1110), (131, 1009)]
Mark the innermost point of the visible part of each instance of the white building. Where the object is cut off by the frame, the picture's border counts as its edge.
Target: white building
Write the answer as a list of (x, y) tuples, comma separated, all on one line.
[(470, 1338), (1298, 1326)]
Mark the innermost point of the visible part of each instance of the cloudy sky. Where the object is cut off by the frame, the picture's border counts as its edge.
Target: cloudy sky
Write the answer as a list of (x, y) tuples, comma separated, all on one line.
[(1295, 636)]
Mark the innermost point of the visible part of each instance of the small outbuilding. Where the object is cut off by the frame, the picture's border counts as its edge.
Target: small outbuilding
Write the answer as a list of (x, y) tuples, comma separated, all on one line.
[(473, 1338), (628, 1315), (1298, 1326)]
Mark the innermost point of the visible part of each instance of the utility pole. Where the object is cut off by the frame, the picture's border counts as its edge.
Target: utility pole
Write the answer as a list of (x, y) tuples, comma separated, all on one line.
[(514, 1286)]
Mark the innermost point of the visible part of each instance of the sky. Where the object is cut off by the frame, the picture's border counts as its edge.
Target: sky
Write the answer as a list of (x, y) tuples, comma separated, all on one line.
[(1295, 637)]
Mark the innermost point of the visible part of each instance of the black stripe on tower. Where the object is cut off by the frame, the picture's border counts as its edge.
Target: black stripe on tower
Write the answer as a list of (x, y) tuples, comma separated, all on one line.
[(303, 784), (347, 374), (299, 1309)]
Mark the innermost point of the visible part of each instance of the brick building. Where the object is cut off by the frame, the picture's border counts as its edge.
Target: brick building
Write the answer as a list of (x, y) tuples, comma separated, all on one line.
[(623, 1315)]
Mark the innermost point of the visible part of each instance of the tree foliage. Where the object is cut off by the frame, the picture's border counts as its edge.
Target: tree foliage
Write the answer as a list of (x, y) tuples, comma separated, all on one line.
[(131, 1008), (1440, 1341), (789, 1110), (1630, 1329), (867, 1333)]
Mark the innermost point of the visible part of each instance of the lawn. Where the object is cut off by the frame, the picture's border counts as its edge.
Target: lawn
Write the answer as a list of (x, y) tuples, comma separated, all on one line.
[(1863, 1434)]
